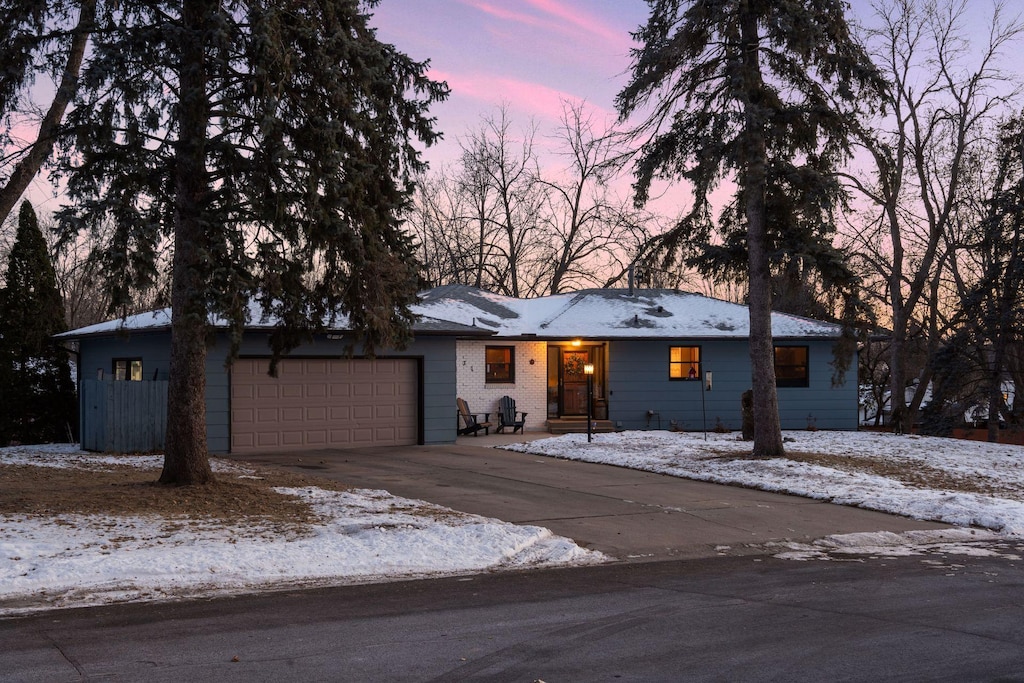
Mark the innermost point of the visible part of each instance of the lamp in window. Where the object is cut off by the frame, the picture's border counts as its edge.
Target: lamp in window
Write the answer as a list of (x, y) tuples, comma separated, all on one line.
[(588, 370)]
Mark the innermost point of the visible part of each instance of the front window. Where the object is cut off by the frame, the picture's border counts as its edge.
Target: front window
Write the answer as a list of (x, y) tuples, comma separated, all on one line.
[(684, 362), (500, 363), (128, 369), (791, 366)]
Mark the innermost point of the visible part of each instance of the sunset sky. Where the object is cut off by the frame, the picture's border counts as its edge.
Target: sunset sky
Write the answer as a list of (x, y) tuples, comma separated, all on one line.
[(531, 54)]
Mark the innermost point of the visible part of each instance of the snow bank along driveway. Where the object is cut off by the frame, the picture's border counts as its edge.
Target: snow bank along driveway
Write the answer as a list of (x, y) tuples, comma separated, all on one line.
[(970, 484), (366, 536)]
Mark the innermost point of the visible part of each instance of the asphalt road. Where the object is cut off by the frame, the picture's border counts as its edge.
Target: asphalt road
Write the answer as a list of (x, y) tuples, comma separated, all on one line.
[(748, 618)]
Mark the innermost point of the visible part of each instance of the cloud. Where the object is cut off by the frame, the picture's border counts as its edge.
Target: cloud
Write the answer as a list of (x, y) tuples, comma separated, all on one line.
[(534, 99), (505, 14), (558, 17), (584, 21)]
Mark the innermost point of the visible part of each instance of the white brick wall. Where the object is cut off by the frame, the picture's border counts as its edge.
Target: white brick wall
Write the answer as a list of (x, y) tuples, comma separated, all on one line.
[(529, 390)]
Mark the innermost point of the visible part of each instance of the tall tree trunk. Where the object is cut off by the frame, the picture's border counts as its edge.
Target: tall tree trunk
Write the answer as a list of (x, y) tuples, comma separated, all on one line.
[(481, 241), (27, 169), (186, 460), (767, 426), (897, 367)]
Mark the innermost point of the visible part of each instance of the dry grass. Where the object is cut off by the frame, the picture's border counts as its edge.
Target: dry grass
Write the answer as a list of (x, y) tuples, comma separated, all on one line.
[(917, 474), (122, 490)]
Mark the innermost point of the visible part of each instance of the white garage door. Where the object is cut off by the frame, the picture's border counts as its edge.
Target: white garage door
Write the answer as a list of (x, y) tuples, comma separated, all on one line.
[(323, 403)]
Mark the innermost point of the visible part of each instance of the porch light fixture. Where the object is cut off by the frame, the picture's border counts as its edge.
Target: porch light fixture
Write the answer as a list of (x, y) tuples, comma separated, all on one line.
[(576, 342), (588, 370)]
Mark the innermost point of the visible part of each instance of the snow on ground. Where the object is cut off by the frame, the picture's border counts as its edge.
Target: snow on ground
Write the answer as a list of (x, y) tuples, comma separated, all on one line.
[(373, 536), (368, 536), (969, 542), (910, 463)]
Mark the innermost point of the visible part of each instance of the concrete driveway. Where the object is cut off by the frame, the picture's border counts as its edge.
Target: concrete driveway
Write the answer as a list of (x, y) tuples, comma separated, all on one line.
[(632, 516)]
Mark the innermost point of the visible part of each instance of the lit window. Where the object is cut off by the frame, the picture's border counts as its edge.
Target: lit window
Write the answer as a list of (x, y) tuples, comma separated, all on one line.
[(684, 362), (791, 366), (128, 369), (500, 364)]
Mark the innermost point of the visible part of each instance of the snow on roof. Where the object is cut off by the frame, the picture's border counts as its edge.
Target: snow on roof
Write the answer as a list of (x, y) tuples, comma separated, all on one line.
[(591, 313), (152, 321), (610, 314)]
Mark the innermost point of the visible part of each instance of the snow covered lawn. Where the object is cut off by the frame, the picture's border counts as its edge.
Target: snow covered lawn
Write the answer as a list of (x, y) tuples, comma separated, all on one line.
[(72, 560), (966, 483)]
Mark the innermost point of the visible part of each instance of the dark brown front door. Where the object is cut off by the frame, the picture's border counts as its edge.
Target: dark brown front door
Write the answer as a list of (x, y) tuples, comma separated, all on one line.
[(574, 381)]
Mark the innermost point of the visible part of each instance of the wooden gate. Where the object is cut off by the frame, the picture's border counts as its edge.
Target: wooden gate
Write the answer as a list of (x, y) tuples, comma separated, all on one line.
[(124, 417)]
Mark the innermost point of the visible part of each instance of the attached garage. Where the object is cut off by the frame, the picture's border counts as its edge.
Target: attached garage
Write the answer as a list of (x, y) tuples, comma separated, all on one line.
[(324, 403)]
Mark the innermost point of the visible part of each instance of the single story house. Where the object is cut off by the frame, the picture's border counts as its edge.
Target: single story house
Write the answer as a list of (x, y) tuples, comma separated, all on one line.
[(659, 359)]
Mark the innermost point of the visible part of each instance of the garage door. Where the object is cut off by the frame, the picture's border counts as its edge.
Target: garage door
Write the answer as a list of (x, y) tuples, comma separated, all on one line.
[(326, 403)]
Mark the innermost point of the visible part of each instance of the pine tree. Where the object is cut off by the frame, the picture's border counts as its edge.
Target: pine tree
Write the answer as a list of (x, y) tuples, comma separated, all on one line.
[(38, 395), (271, 145), (997, 300), (749, 90)]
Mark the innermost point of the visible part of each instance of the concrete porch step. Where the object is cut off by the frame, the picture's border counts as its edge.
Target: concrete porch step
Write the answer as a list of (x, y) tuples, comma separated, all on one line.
[(578, 426)]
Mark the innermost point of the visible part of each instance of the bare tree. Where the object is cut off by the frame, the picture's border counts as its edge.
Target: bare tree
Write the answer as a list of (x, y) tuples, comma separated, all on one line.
[(500, 222), (942, 96), (449, 251), (503, 173), (593, 234)]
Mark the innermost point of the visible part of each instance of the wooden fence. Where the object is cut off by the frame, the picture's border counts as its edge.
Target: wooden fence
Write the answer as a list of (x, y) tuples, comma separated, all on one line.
[(124, 417)]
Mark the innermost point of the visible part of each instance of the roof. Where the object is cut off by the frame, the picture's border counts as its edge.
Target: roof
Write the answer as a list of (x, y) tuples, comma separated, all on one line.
[(610, 314), (591, 314), (160, 320)]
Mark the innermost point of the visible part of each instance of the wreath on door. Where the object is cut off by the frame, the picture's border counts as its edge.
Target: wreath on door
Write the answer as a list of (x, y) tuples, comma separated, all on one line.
[(574, 365)]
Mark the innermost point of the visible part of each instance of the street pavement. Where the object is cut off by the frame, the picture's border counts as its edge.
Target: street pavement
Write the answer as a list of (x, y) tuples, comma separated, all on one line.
[(629, 515), (933, 618)]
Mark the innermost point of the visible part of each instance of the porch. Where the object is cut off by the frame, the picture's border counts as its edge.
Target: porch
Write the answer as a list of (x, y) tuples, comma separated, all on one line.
[(577, 425)]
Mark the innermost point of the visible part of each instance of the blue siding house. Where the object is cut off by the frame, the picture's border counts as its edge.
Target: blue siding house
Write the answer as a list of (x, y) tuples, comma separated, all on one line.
[(643, 359), (658, 359), (320, 398)]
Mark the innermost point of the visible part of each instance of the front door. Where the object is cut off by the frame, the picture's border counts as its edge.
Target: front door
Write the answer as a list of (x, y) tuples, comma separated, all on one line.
[(574, 381)]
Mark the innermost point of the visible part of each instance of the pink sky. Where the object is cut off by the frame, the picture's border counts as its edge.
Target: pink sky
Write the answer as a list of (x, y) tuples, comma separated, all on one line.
[(532, 54), (529, 54)]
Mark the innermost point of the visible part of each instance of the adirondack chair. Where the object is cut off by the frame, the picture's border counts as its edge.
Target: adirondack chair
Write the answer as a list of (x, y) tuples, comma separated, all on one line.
[(508, 417), (471, 420)]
